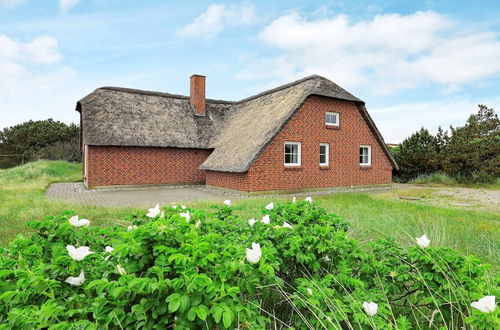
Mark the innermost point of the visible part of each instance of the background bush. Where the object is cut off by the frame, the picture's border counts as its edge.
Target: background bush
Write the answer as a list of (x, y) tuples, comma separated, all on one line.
[(42, 139), (194, 275), (468, 154)]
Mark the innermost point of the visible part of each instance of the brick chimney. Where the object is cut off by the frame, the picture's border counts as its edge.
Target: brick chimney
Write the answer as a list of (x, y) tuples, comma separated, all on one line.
[(197, 94)]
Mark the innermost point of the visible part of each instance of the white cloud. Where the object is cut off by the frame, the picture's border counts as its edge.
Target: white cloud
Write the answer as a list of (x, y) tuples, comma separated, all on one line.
[(40, 50), (386, 54), (43, 50), (34, 83), (66, 5), (8, 47), (217, 16), (11, 3), (400, 121)]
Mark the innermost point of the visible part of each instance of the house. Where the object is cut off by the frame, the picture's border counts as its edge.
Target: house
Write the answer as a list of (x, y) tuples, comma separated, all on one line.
[(310, 133)]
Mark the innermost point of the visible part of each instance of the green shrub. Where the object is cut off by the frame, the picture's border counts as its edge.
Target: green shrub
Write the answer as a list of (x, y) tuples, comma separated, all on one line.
[(435, 177), (190, 271)]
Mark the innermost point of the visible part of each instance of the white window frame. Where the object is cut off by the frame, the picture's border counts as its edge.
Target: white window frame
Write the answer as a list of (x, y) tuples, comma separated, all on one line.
[(327, 154), (369, 155), (299, 156), (336, 114)]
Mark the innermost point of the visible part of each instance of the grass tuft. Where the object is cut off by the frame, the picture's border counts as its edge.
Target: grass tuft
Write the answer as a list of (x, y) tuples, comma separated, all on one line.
[(435, 178)]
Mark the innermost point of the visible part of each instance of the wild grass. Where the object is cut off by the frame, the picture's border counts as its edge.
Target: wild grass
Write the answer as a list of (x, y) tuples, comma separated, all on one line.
[(443, 179), (473, 232), (435, 177), (22, 196)]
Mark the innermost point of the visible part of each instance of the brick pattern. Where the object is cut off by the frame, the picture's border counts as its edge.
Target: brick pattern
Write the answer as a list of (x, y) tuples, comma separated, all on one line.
[(197, 92), (308, 127), (110, 165)]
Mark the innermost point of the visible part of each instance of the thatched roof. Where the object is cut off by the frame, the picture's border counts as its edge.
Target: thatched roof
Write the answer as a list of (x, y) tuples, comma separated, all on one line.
[(237, 131)]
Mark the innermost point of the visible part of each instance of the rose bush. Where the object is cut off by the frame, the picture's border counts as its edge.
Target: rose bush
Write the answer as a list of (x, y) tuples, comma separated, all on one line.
[(192, 269)]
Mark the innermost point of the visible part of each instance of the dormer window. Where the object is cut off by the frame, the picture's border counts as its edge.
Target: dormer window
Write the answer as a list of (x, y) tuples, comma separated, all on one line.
[(332, 119)]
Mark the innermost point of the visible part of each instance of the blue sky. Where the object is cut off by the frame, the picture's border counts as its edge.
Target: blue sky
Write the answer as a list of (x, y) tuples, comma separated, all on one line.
[(414, 63)]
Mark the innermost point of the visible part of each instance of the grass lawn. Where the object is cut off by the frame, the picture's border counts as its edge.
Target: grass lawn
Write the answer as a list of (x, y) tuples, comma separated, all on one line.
[(22, 196), (371, 216)]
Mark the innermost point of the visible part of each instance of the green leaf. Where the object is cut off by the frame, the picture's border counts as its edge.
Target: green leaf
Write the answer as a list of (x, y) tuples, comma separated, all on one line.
[(174, 301), (202, 312), (217, 313), (174, 304), (191, 314), (184, 303), (227, 318)]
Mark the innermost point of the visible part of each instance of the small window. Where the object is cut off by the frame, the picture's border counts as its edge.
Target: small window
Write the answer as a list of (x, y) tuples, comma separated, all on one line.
[(324, 150), (332, 119), (365, 155), (292, 154)]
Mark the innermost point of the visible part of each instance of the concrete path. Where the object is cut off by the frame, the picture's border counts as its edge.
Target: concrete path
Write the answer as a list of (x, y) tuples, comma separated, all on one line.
[(136, 197)]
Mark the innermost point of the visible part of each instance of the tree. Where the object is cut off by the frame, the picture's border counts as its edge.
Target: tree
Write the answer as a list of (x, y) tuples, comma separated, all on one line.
[(36, 139), (418, 154), (473, 151), (470, 153)]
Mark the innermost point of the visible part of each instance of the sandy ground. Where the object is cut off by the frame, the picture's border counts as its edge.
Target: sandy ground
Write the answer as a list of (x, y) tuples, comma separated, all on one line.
[(465, 198)]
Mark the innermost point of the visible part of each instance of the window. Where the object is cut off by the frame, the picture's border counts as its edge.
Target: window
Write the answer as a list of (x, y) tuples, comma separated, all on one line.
[(324, 150), (292, 154), (332, 118), (365, 155)]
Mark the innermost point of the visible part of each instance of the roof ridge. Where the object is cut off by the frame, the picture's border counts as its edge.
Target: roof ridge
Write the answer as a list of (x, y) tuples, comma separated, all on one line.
[(279, 88), (154, 93), (184, 97)]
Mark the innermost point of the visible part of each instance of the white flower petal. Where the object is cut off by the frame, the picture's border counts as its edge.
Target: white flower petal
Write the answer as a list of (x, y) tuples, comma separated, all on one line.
[(78, 254), (269, 206), (485, 304), (74, 221), (76, 281), (423, 241), (227, 202), (254, 254), (370, 308), (287, 225), (121, 270), (109, 249), (152, 213), (185, 215), (266, 219), (308, 199)]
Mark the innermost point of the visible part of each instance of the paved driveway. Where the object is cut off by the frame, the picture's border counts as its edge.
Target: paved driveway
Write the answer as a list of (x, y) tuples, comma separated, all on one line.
[(133, 197)]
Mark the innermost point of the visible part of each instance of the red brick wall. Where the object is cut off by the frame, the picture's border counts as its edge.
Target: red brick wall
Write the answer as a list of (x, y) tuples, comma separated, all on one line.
[(110, 165), (308, 127), (197, 90)]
